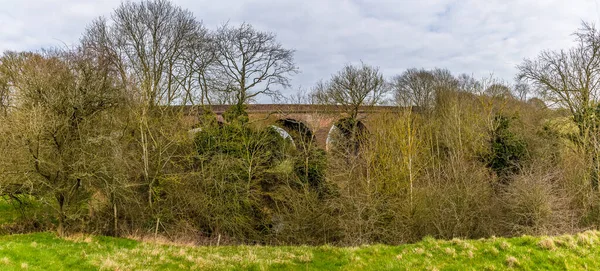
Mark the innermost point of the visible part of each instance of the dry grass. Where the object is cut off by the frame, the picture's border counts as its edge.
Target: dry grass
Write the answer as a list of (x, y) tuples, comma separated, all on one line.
[(511, 261), (79, 238), (163, 240), (547, 243)]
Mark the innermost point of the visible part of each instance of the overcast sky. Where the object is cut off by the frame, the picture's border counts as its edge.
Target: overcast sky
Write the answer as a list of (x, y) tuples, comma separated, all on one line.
[(477, 37)]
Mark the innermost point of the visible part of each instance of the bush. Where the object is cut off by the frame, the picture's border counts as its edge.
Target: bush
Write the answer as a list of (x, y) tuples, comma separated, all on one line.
[(533, 204), (455, 201)]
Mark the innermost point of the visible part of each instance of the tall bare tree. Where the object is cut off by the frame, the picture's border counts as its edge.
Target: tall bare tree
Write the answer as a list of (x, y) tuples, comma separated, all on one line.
[(204, 81), (150, 43), (568, 78), (253, 62), (571, 79)]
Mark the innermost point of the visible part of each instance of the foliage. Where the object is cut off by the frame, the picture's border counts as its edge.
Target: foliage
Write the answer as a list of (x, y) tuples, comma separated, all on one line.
[(236, 112), (244, 172), (62, 96), (507, 150)]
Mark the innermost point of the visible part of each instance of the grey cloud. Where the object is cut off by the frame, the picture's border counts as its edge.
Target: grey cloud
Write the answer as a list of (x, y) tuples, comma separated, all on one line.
[(470, 36)]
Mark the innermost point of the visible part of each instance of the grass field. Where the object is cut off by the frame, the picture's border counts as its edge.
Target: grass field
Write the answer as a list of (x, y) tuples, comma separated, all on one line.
[(45, 251)]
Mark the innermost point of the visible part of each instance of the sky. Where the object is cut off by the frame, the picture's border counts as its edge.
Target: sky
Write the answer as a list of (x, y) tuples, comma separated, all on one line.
[(477, 37)]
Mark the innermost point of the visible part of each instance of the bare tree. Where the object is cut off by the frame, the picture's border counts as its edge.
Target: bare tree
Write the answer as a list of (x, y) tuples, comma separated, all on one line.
[(521, 90), (300, 96), (571, 79), (444, 80), (203, 74), (568, 78), (252, 62), (498, 90), (468, 83), (150, 44), (353, 87), (419, 87), (414, 88)]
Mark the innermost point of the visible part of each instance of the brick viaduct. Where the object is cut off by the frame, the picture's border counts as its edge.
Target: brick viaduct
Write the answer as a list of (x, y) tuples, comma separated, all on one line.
[(315, 120)]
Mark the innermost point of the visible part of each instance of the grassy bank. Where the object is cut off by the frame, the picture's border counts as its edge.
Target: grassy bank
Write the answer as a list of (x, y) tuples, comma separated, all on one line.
[(45, 251)]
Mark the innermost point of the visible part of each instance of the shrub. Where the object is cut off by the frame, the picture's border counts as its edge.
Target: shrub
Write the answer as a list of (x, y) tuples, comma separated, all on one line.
[(533, 204), (507, 149)]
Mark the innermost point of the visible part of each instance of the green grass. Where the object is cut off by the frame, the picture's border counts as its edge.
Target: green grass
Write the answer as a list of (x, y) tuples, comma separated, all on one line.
[(45, 251)]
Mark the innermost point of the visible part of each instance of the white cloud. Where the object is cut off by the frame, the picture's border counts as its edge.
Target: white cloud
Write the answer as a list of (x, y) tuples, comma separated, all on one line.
[(470, 36)]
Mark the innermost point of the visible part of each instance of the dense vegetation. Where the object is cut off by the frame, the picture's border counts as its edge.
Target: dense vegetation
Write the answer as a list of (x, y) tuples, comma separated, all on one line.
[(115, 137)]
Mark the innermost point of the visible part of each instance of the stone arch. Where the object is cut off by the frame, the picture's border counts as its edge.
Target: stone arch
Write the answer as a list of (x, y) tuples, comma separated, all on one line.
[(341, 135), (297, 130)]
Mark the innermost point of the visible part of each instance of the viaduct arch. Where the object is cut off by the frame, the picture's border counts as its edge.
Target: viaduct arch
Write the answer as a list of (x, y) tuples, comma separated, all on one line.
[(306, 122)]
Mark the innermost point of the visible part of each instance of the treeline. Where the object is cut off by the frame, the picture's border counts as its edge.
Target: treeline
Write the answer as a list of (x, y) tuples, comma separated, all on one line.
[(98, 139)]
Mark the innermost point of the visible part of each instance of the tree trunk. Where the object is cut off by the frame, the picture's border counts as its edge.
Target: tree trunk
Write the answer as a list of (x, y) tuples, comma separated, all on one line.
[(115, 220), (61, 215)]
